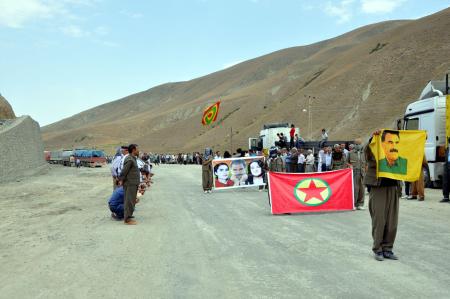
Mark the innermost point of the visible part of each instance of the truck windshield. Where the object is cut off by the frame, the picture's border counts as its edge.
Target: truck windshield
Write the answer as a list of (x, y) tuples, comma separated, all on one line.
[(412, 124)]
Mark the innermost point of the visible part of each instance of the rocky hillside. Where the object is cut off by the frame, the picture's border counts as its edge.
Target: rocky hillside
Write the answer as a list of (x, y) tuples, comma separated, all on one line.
[(357, 82), (6, 112)]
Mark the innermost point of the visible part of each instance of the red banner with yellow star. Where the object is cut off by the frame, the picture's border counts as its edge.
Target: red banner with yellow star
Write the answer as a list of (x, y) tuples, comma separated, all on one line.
[(311, 192)]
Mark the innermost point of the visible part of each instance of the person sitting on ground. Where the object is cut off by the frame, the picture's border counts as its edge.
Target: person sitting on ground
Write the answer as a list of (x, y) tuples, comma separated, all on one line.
[(116, 201)]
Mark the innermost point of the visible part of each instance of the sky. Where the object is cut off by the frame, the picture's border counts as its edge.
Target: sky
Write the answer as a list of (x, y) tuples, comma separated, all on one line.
[(61, 57)]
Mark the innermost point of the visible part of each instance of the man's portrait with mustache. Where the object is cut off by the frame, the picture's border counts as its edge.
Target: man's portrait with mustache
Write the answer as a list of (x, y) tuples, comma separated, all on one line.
[(392, 162)]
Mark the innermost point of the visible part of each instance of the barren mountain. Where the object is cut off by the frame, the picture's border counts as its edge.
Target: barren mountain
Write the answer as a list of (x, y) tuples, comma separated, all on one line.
[(360, 81), (6, 112)]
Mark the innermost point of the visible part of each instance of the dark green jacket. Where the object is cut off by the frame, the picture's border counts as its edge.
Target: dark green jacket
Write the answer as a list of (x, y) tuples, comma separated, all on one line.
[(130, 173), (400, 166)]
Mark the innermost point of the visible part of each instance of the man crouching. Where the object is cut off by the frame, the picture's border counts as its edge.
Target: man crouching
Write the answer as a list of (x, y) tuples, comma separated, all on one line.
[(116, 201)]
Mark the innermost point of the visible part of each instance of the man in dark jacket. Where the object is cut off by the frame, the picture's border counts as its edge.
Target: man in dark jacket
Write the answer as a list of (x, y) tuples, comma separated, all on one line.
[(383, 206), (130, 179)]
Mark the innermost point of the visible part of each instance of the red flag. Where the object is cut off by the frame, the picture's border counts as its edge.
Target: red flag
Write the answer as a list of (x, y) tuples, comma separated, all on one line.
[(311, 192)]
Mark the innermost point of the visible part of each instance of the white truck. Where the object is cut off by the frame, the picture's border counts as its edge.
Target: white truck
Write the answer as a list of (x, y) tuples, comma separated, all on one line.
[(429, 114), (268, 136)]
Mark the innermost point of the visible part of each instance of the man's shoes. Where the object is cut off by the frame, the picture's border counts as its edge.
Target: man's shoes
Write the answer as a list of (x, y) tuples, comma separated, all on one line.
[(404, 197), (411, 197), (115, 217), (206, 191), (130, 222), (361, 208), (379, 256), (445, 200), (421, 199), (390, 255)]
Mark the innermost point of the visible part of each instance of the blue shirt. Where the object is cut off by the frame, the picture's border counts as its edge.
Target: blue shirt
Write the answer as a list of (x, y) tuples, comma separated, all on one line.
[(117, 197)]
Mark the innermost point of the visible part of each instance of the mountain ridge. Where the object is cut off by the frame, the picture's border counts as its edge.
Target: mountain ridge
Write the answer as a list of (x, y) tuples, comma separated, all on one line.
[(349, 75)]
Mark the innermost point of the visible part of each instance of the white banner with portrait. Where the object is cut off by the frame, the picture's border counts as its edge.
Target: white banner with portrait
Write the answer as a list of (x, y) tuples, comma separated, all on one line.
[(239, 172)]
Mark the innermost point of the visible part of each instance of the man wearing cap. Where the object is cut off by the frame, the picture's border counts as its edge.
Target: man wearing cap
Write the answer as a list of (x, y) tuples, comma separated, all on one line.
[(130, 179), (115, 165)]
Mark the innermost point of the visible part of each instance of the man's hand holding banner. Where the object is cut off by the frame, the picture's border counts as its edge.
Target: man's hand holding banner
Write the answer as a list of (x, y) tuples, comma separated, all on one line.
[(399, 154)]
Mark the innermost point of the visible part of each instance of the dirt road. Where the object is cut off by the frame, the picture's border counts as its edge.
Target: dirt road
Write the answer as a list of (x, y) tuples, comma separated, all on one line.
[(57, 241)]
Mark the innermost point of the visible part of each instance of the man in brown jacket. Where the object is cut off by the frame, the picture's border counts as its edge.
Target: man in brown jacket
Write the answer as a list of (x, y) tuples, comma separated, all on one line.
[(356, 160), (130, 179), (383, 206)]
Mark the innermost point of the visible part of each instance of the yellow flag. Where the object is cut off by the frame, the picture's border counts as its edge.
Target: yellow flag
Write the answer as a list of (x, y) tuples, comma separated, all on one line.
[(399, 154)]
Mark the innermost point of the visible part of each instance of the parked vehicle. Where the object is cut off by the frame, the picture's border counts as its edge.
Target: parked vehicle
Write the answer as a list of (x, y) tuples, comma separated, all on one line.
[(268, 137), (90, 157), (429, 113)]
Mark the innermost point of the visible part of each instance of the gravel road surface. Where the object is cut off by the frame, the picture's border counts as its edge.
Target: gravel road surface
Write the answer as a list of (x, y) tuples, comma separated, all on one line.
[(57, 240)]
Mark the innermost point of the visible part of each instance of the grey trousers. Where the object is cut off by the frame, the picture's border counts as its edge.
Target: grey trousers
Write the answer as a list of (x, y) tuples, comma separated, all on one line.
[(383, 207), (358, 188), (129, 200)]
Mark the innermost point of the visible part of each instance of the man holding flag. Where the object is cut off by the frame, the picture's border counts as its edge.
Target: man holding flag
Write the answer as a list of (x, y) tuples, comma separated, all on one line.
[(392, 156), (383, 206)]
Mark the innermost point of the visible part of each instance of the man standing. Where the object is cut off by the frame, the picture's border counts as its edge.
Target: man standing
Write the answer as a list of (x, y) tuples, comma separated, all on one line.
[(130, 178), (383, 206), (115, 167), (446, 177), (291, 135), (418, 187), (125, 154), (356, 160)]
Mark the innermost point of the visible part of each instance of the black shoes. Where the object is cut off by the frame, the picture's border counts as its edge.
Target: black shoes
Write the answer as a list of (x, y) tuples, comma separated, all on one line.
[(445, 200), (389, 255), (379, 256)]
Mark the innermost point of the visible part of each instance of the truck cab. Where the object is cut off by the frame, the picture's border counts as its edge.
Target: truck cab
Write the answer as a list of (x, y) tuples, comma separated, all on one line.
[(429, 114)]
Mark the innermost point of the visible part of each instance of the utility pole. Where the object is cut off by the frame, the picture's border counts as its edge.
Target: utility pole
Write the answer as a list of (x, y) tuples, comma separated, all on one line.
[(231, 140)]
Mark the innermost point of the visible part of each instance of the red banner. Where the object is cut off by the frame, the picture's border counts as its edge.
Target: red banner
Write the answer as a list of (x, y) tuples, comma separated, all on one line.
[(311, 192)]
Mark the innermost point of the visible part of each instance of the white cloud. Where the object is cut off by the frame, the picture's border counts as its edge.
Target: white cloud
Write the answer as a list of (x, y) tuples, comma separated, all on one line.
[(14, 13), (75, 31), (343, 10), (380, 6)]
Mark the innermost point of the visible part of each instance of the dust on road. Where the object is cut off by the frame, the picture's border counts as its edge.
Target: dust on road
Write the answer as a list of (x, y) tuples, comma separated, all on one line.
[(58, 240)]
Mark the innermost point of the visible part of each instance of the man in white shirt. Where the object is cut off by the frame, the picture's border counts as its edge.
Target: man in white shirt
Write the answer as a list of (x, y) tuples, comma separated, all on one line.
[(115, 165), (328, 159), (301, 161), (124, 155), (344, 150), (309, 162)]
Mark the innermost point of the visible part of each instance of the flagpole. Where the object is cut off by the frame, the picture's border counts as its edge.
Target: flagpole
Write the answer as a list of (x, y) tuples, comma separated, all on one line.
[(231, 140)]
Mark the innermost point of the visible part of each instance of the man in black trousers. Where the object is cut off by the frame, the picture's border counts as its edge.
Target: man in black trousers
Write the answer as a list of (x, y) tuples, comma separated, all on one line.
[(130, 179)]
